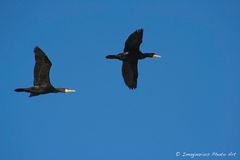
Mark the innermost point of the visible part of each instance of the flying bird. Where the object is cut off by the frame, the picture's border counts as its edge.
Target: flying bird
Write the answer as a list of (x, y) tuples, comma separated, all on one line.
[(130, 56), (42, 84)]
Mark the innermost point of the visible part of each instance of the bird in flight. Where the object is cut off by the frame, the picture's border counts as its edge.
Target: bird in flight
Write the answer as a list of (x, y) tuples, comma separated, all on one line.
[(41, 83), (130, 56)]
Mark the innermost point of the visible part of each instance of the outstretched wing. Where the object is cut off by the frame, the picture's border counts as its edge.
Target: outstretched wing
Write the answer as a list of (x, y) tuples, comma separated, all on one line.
[(134, 41), (41, 68), (130, 74)]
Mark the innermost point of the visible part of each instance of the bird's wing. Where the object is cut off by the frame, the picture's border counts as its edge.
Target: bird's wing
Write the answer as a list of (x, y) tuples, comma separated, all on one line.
[(134, 41), (41, 68), (130, 74)]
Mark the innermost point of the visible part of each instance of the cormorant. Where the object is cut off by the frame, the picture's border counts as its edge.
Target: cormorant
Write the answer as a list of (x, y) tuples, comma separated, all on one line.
[(42, 84), (130, 58)]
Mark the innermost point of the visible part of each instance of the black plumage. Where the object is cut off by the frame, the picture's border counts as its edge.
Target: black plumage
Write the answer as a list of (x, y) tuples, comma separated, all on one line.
[(130, 58), (42, 84)]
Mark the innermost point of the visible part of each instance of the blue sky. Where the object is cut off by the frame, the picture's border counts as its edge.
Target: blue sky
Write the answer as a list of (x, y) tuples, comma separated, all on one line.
[(187, 101)]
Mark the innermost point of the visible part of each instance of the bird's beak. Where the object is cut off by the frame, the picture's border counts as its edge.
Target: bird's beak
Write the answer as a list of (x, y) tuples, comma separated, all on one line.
[(156, 56), (69, 90)]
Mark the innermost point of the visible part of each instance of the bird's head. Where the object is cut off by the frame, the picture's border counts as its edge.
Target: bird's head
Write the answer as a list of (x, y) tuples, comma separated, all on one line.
[(155, 55), (66, 90), (149, 55)]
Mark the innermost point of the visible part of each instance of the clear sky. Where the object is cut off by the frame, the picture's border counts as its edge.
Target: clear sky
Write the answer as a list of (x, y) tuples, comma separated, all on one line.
[(187, 101)]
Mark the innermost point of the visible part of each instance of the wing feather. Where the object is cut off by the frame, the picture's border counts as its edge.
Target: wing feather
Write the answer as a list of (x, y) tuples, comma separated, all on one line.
[(134, 41), (130, 74), (42, 68)]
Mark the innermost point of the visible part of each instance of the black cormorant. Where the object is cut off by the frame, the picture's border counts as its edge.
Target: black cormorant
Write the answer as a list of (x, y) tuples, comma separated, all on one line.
[(130, 58), (42, 84)]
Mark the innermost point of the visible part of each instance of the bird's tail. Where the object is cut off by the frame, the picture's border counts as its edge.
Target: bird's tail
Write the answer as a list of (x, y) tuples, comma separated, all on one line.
[(21, 90), (111, 57)]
